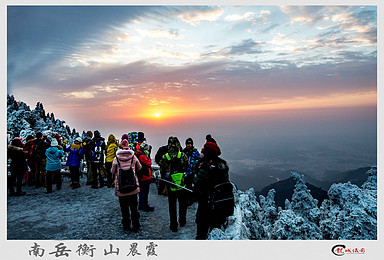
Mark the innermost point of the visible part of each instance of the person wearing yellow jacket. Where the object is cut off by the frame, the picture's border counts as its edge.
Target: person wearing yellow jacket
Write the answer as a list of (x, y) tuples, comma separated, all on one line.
[(111, 150)]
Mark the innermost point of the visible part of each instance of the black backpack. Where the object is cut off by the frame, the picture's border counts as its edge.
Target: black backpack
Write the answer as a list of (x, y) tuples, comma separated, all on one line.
[(222, 199), (127, 180), (97, 155)]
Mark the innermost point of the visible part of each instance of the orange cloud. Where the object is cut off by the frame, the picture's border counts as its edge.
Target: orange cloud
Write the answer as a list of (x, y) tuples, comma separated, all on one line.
[(163, 112)]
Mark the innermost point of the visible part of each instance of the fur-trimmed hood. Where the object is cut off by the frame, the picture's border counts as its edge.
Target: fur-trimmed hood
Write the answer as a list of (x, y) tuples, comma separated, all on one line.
[(124, 155)]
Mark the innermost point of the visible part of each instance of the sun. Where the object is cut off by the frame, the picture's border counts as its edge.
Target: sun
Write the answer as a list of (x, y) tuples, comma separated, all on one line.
[(157, 115)]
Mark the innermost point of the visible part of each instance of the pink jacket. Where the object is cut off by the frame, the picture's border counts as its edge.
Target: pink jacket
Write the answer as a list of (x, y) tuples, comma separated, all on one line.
[(125, 158)]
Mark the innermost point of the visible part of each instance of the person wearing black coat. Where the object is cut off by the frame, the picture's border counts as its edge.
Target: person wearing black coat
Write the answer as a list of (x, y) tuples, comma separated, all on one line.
[(97, 163), (210, 170), (18, 166), (162, 188)]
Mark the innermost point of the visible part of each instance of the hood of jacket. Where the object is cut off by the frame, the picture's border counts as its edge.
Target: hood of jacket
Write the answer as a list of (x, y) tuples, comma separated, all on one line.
[(124, 155), (173, 145), (111, 139), (52, 149)]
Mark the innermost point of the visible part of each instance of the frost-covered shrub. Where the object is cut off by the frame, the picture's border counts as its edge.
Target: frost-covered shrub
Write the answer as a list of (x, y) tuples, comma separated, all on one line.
[(217, 234), (370, 185), (350, 212), (292, 226)]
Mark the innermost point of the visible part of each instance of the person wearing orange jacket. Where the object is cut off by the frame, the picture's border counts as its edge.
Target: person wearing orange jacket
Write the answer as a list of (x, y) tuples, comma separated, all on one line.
[(145, 175)]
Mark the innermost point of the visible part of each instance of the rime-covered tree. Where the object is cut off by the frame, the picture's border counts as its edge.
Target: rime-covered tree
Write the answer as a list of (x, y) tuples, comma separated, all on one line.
[(21, 121), (350, 212), (299, 220)]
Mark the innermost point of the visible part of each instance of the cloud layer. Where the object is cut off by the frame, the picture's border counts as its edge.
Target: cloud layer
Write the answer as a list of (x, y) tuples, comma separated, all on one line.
[(200, 58)]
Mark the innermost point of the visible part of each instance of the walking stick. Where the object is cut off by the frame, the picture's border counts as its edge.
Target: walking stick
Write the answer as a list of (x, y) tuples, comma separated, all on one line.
[(174, 184)]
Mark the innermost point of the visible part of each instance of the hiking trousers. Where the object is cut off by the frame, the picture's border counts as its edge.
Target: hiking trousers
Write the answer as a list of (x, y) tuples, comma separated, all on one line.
[(53, 177), (108, 167), (173, 197), (75, 174), (15, 179), (143, 195), (89, 172), (129, 211), (40, 172), (206, 220), (96, 172), (31, 173)]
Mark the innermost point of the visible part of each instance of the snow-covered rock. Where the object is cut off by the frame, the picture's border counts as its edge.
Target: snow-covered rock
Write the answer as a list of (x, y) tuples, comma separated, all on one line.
[(350, 213), (22, 121)]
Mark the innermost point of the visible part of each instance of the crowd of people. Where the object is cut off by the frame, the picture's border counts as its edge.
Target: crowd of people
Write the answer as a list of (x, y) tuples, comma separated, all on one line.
[(186, 175)]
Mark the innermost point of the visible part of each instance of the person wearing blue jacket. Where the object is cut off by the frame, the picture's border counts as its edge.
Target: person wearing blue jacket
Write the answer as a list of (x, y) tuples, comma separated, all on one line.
[(53, 167), (193, 156), (75, 155)]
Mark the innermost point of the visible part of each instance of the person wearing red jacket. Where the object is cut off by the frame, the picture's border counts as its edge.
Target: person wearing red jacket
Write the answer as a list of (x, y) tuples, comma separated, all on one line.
[(145, 175), (29, 176), (128, 201)]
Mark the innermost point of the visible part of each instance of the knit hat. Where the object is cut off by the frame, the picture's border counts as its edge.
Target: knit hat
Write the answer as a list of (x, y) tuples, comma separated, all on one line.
[(210, 139), (125, 136), (97, 133), (78, 139), (211, 150), (189, 141), (125, 144), (54, 142), (140, 137)]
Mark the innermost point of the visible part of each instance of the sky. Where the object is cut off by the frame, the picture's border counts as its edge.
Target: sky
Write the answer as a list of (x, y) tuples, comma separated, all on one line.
[(243, 73)]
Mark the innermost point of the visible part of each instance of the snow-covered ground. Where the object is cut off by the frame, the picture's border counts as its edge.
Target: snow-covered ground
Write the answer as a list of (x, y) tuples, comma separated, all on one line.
[(87, 214)]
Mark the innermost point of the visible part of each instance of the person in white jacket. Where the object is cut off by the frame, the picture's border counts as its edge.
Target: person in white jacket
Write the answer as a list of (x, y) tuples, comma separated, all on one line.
[(126, 159)]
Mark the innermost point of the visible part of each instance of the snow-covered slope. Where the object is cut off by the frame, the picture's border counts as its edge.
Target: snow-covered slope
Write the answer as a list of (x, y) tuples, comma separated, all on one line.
[(349, 214), (22, 121)]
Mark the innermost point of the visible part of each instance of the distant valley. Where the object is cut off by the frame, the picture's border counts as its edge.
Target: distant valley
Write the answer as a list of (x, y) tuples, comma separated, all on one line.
[(261, 177)]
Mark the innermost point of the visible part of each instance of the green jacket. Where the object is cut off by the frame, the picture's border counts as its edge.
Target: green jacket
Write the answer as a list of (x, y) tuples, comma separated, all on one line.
[(175, 164)]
